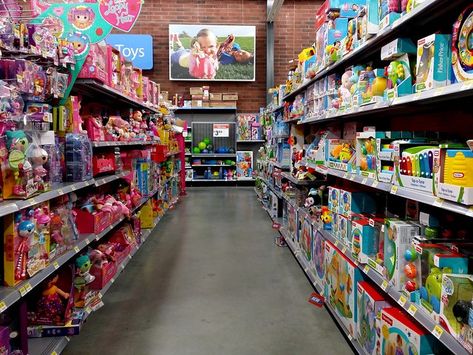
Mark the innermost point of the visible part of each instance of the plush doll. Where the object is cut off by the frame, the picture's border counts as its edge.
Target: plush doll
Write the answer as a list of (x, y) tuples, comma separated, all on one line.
[(83, 265), (98, 258), (51, 304)]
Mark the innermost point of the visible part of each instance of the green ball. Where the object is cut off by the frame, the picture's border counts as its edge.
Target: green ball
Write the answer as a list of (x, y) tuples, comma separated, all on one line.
[(207, 140), (202, 145), (196, 150)]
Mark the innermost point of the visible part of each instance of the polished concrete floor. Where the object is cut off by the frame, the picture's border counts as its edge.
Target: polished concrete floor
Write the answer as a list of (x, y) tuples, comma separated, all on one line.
[(209, 281)]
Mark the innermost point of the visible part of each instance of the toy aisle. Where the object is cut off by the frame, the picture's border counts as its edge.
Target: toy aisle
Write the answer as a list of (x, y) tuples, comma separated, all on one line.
[(166, 188)]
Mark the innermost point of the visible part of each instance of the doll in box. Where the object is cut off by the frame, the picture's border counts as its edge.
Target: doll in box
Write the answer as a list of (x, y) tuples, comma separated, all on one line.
[(52, 302), (38, 158)]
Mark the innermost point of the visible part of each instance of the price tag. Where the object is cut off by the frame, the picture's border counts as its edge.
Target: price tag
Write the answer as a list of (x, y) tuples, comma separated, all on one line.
[(349, 337), (394, 189), (438, 202), (76, 249), (87, 241), (366, 269), (470, 211), (371, 222), (100, 295), (345, 176), (344, 250), (60, 192), (22, 291), (3, 306), (32, 201), (438, 331), (384, 285), (28, 287), (374, 184), (412, 310), (54, 353), (221, 130), (113, 280), (88, 310), (364, 181), (352, 177), (56, 265), (402, 300), (336, 243)]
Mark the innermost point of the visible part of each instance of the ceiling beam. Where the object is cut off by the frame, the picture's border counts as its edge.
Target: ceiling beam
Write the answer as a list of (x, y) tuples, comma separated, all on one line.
[(273, 9)]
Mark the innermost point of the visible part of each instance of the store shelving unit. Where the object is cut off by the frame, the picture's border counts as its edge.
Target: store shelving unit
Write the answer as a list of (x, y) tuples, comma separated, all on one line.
[(92, 89), (205, 110), (425, 19)]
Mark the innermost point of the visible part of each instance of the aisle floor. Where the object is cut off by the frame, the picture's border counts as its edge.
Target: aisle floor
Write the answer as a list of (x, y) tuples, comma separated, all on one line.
[(209, 281)]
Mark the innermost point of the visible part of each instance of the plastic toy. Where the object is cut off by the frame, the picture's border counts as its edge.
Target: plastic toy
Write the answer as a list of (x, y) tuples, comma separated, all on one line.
[(400, 335), (326, 218), (433, 65), (462, 57), (340, 154), (38, 158), (455, 180), (364, 239), (370, 304), (398, 236), (78, 157), (456, 308), (341, 279)]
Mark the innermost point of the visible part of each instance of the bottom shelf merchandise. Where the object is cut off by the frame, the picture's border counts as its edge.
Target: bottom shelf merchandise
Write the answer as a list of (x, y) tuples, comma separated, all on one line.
[(387, 285), (83, 290)]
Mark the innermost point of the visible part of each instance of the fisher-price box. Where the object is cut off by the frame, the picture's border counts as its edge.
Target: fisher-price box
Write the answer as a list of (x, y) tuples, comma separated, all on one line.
[(455, 180), (387, 14), (398, 236), (333, 198), (367, 21), (433, 68), (456, 311), (370, 305), (355, 202), (340, 154), (341, 277), (400, 335), (364, 239), (335, 224), (318, 258)]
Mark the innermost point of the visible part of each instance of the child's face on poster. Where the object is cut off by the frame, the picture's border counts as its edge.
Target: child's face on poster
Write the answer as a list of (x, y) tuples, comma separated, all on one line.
[(208, 45)]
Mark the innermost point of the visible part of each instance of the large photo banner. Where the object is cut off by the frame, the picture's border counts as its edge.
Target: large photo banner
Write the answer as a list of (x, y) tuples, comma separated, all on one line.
[(212, 52)]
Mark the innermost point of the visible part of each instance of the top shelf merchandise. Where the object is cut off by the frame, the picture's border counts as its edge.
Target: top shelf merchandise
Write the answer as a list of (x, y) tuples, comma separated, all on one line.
[(390, 198)]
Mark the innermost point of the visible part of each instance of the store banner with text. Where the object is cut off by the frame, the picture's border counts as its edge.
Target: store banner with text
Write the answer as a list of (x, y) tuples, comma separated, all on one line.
[(137, 49)]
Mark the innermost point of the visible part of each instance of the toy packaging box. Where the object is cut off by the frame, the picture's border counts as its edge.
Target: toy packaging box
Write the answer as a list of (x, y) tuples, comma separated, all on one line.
[(398, 236), (26, 243), (387, 13), (455, 179), (433, 62), (416, 165), (365, 239), (344, 229), (340, 154), (95, 66), (291, 221), (400, 335), (355, 202), (367, 151), (425, 264), (341, 279), (370, 304), (333, 198), (146, 215), (462, 64), (367, 20), (305, 240), (318, 258), (456, 314)]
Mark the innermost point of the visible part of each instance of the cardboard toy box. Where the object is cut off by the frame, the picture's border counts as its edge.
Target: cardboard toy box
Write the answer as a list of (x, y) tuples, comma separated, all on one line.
[(341, 280), (318, 258), (229, 97), (215, 96), (370, 304), (102, 275), (196, 91), (400, 335), (223, 103)]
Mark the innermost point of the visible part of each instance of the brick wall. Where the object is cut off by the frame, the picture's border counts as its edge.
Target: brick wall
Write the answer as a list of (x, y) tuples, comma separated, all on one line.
[(293, 31), (156, 16)]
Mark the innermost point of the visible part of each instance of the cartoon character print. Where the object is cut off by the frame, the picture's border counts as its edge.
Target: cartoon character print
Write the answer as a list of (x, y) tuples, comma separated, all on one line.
[(80, 42), (81, 17), (54, 25)]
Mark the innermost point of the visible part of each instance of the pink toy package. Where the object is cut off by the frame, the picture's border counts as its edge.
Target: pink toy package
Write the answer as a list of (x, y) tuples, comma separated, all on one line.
[(114, 67), (95, 66), (146, 89)]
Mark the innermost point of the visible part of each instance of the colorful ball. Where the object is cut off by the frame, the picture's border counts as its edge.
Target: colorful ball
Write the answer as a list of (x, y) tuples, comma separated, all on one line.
[(206, 140), (196, 150), (202, 145), (410, 270)]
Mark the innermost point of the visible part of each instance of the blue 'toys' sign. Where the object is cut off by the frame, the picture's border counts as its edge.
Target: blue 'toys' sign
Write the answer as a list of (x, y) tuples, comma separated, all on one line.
[(135, 48)]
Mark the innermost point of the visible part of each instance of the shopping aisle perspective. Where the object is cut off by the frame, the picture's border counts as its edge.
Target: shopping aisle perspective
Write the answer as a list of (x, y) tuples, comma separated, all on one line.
[(211, 281)]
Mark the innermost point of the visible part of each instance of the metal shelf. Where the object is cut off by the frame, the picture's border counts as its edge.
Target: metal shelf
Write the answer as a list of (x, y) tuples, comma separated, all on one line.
[(120, 143), (204, 109), (251, 141), (108, 179), (217, 155), (90, 88), (273, 189), (277, 108), (403, 24), (405, 192), (297, 181), (279, 165), (212, 180), (212, 165)]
